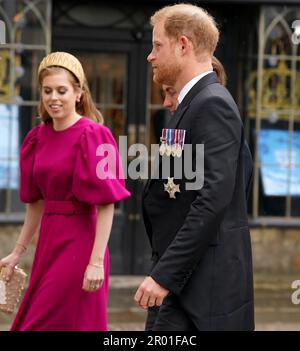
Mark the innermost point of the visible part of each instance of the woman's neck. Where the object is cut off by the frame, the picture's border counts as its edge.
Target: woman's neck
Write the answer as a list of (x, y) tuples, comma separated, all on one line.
[(63, 123)]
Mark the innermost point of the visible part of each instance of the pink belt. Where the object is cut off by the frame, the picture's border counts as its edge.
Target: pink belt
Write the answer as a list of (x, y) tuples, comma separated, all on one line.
[(68, 207)]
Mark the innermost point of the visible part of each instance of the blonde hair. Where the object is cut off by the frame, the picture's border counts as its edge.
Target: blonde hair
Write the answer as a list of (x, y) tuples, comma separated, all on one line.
[(191, 21), (84, 107)]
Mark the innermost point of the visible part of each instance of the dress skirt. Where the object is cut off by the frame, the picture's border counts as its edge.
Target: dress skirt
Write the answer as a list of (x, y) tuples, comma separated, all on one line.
[(54, 299)]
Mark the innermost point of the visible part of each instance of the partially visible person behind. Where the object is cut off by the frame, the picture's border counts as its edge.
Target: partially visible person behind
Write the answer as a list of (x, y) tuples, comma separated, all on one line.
[(170, 98), (220, 71), (68, 203)]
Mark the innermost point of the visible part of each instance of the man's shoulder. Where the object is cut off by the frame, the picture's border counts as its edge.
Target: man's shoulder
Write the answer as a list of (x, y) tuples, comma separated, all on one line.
[(213, 91), (214, 94), (211, 94)]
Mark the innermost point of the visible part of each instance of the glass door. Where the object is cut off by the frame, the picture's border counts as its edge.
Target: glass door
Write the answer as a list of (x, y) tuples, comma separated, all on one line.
[(119, 100), (107, 77)]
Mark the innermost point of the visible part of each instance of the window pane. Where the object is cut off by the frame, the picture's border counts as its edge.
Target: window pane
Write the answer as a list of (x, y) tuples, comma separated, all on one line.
[(26, 74), (276, 117), (28, 39), (13, 119), (9, 146), (113, 119), (8, 81), (107, 78), (18, 75), (28, 20), (296, 203), (279, 177)]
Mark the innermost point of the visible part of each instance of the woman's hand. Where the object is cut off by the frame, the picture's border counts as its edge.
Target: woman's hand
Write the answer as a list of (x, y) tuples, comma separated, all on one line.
[(9, 262), (93, 277)]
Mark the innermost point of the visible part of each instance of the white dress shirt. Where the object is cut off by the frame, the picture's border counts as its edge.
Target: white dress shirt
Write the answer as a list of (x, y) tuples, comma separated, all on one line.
[(189, 86)]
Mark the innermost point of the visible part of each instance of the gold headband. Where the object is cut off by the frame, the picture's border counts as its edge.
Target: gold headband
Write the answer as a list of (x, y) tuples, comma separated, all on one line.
[(65, 60)]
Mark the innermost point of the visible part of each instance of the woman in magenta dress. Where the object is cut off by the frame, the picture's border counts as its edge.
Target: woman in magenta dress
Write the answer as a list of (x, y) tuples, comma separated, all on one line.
[(69, 202)]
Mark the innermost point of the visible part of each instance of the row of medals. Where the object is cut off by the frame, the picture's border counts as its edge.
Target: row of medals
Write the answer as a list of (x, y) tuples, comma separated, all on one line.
[(168, 150)]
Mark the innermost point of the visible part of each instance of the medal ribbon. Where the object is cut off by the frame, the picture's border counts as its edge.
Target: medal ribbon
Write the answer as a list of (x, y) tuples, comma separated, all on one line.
[(170, 136), (181, 138), (164, 134), (176, 136)]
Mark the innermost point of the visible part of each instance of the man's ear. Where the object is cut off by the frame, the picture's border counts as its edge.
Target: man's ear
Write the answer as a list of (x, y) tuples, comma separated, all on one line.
[(185, 44)]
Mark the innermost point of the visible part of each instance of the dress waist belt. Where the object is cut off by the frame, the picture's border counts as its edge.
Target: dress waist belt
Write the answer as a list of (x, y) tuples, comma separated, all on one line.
[(68, 207)]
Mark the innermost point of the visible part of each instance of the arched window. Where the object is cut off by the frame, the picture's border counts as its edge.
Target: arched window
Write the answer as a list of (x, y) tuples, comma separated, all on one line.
[(274, 112), (28, 36)]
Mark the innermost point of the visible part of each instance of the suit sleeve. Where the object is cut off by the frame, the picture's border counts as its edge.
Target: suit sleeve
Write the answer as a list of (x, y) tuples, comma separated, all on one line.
[(218, 127)]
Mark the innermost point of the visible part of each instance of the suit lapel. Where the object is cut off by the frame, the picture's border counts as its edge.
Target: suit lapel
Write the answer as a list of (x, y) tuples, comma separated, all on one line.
[(174, 121), (182, 108), (184, 105)]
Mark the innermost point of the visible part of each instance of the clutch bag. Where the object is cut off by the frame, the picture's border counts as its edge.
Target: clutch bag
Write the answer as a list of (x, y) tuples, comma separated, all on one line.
[(10, 292)]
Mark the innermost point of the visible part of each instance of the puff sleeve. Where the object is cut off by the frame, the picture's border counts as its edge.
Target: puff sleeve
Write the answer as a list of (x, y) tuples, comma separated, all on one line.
[(29, 190), (98, 176)]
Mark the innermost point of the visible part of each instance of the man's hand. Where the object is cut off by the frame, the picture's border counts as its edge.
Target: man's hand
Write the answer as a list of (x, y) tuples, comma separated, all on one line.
[(150, 294)]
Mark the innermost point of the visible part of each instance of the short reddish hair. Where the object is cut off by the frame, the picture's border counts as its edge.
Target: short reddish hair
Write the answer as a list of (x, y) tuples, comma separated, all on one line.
[(191, 21)]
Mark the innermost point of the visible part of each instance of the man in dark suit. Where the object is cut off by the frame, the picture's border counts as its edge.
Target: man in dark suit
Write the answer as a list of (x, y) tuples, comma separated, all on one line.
[(201, 278), (170, 102)]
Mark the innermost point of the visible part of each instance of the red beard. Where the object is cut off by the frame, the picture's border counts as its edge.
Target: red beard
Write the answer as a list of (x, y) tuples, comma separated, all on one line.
[(166, 73)]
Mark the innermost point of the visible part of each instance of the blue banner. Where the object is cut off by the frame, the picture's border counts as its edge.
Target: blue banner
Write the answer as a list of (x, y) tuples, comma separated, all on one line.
[(279, 154), (9, 147)]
